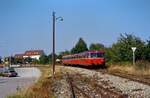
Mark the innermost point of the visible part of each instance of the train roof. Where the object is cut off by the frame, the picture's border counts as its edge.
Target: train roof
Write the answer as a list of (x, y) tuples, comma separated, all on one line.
[(91, 51), (94, 51)]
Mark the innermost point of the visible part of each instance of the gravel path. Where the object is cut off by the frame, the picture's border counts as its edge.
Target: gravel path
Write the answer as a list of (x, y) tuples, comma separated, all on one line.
[(27, 76), (125, 86)]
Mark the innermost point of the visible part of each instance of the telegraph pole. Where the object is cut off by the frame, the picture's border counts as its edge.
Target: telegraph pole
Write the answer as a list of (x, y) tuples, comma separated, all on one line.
[(10, 61), (53, 53)]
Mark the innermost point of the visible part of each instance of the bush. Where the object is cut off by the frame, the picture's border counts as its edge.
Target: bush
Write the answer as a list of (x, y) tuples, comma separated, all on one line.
[(1, 74), (141, 64)]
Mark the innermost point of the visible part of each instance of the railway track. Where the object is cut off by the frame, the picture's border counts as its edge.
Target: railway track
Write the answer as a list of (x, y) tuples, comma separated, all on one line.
[(144, 80), (90, 89), (141, 79), (93, 83), (73, 87)]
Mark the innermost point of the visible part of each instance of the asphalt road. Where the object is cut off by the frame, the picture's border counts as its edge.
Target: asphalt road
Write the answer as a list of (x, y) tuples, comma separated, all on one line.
[(26, 77)]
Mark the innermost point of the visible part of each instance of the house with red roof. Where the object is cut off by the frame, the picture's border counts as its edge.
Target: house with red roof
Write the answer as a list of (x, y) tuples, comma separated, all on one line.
[(34, 54)]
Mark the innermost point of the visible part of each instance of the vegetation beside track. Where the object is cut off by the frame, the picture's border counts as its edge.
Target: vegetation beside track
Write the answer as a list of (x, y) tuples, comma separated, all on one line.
[(139, 72), (1, 74)]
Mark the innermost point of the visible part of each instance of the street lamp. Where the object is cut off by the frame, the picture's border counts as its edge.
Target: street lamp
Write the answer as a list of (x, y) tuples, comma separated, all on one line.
[(133, 50), (53, 53)]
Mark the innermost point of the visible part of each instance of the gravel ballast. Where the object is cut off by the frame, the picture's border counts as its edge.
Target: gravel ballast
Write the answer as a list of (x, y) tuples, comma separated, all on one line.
[(128, 87)]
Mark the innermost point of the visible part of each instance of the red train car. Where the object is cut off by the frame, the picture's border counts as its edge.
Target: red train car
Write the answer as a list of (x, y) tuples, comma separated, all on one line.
[(87, 59)]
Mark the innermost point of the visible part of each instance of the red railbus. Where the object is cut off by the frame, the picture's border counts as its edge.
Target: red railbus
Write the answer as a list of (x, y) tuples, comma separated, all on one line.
[(87, 59)]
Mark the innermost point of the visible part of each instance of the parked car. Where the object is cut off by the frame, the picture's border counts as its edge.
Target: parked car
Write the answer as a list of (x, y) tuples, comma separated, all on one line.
[(10, 72)]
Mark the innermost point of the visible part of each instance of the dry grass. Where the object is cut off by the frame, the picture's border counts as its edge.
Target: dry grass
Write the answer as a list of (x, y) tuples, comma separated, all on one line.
[(130, 69), (41, 89)]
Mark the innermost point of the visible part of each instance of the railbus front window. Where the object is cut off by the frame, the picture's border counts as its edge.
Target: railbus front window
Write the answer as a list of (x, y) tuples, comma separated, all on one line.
[(100, 54), (95, 55)]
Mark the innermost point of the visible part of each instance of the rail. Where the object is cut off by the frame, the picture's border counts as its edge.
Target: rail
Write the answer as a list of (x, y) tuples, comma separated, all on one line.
[(73, 87)]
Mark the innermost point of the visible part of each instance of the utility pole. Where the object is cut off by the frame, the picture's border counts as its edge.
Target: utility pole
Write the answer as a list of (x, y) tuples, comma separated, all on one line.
[(9, 61), (53, 53)]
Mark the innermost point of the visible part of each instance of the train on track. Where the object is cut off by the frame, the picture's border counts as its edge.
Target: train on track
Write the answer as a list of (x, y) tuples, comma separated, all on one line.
[(89, 59)]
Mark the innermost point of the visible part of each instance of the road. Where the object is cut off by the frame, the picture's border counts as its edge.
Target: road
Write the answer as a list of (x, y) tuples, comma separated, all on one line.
[(26, 77)]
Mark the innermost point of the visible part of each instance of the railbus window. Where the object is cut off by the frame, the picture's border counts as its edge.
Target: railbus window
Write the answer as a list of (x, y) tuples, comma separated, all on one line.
[(100, 54), (95, 55)]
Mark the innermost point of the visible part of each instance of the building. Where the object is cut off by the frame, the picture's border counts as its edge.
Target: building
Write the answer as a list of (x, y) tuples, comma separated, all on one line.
[(34, 54), (2, 65), (19, 56)]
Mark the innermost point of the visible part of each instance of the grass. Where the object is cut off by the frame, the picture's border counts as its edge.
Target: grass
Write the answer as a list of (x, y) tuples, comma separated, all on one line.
[(1, 74), (41, 89), (141, 68)]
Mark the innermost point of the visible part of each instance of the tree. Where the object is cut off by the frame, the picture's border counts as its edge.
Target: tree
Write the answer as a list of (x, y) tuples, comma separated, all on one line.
[(81, 46), (35, 61), (109, 54), (122, 49), (18, 60), (147, 51), (0, 60), (44, 59), (10, 60), (28, 60), (66, 52), (96, 46)]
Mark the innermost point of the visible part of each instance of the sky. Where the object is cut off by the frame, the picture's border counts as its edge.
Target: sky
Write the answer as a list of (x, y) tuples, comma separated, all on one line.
[(27, 24)]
